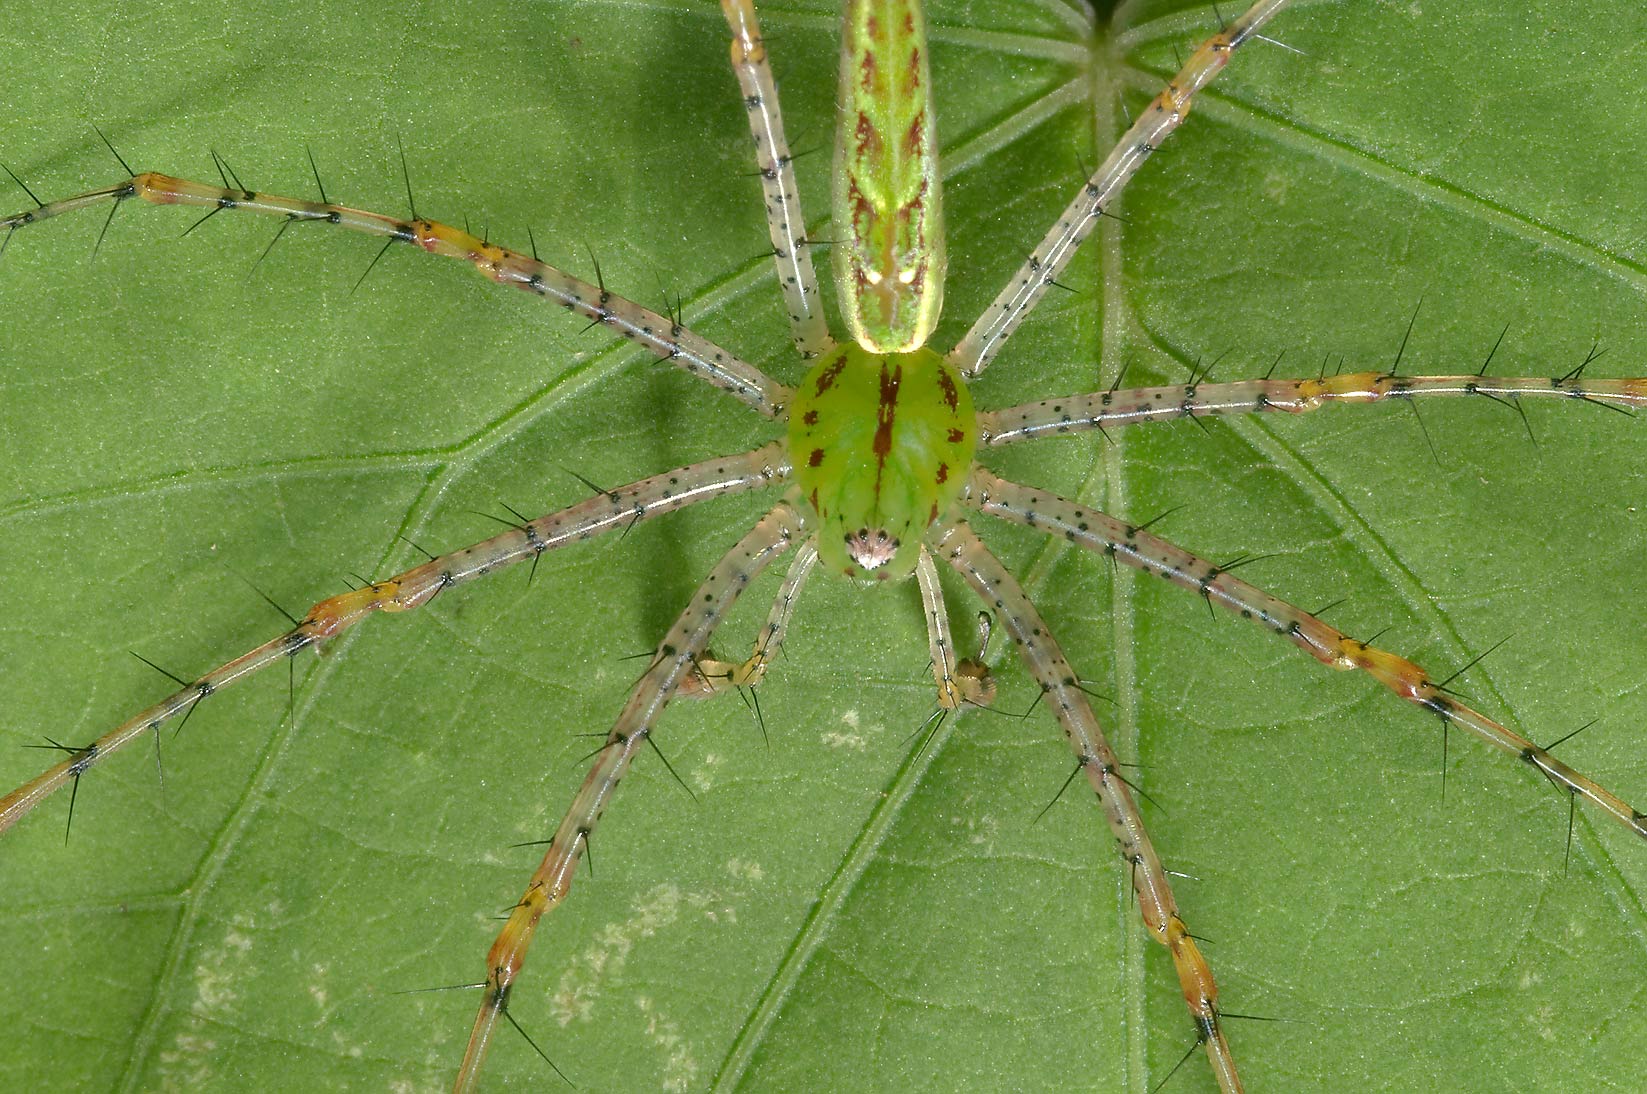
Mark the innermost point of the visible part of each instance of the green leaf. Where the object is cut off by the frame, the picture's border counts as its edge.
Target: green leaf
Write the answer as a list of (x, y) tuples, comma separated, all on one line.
[(833, 909)]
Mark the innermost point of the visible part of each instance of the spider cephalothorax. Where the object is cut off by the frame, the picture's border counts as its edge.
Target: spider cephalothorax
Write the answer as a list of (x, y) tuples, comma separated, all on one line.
[(881, 445)]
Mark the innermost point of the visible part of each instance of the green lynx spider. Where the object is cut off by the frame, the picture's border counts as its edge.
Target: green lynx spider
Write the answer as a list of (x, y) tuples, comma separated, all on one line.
[(1382, 715)]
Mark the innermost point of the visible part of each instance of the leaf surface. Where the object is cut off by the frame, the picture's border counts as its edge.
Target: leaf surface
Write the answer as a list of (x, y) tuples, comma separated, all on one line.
[(833, 909)]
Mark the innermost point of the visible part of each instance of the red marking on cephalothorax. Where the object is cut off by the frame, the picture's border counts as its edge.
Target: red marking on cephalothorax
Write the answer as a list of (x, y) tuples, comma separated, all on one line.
[(952, 399), (886, 410), (826, 378)]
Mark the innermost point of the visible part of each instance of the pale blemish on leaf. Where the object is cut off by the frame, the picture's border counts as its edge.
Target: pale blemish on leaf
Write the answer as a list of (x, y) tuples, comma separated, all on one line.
[(703, 774), (580, 985), (745, 871), (681, 1068)]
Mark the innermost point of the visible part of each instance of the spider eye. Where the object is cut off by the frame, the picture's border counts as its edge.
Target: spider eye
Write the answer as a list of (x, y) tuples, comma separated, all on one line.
[(871, 549)]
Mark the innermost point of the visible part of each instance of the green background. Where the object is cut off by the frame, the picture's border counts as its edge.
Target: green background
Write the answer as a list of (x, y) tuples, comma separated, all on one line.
[(828, 911)]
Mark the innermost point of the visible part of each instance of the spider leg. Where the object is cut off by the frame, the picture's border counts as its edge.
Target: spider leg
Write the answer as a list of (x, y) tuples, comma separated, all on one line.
[(1103, 410), (675, 663), (960, 681), (710, 677), (1060, 687), (1103, 534), (414, 588), (785, 217), (661, 335), (1043, 266)]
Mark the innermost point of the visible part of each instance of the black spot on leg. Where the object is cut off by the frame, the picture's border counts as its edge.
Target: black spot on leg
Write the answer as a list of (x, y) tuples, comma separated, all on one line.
[(499, 1000), (1439, 705), (83, 760)]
